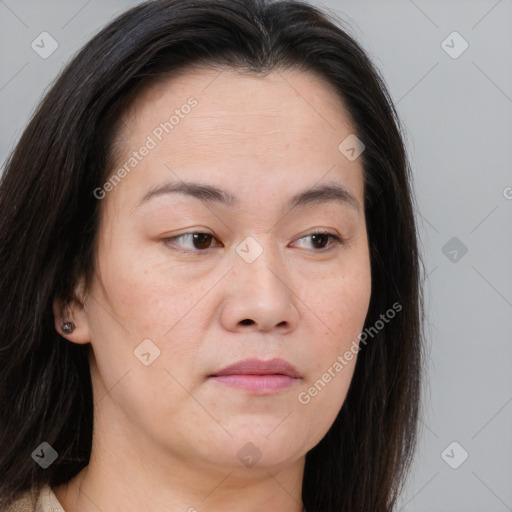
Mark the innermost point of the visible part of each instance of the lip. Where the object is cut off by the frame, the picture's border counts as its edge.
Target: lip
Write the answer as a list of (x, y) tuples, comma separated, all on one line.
[(276, 366), (258, 376)]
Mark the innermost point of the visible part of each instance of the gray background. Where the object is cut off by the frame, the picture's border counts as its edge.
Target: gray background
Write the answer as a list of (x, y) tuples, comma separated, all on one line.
[(458, 118)]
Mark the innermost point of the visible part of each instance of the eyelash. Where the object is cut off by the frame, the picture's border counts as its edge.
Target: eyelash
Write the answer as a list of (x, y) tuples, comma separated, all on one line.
[(337, 240)]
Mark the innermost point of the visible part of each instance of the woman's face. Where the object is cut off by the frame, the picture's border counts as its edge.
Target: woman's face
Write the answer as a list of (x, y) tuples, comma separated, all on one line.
[(167, 311)]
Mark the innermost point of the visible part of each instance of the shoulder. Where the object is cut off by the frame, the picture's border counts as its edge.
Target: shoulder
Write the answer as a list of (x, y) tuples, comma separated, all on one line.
[(26, 502), (36, 500)]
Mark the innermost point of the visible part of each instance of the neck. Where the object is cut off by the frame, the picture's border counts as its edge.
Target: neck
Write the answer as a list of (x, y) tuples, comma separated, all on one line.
[(133, 478)]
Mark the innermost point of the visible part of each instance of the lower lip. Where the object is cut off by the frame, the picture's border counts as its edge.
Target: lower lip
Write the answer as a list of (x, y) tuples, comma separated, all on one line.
[(257, 383)]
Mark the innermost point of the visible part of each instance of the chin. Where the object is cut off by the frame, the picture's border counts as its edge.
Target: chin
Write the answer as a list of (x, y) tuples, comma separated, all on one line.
[(268, 449)]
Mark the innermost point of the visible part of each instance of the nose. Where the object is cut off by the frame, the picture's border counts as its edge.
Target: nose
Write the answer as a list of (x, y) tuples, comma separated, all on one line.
[(260, 295)]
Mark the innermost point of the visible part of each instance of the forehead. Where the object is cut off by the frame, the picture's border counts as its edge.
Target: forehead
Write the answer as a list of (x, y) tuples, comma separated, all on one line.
[(270, 132), (229, 97)]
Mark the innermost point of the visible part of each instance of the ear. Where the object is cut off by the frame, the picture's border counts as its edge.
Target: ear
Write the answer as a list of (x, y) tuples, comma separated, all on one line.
[(75, 312)]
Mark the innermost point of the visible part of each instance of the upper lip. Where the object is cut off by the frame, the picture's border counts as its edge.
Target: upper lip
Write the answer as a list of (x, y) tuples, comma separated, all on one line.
[(276, 366)]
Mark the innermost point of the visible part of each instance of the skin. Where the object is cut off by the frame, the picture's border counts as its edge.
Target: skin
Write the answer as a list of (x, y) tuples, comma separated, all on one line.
[(166, 436)]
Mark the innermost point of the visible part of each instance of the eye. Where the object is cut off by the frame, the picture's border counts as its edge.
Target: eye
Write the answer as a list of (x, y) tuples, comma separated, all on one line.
[(201, 242), (321, 238)]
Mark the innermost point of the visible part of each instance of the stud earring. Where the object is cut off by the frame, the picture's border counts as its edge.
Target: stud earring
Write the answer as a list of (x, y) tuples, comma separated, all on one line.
[(67, 327)]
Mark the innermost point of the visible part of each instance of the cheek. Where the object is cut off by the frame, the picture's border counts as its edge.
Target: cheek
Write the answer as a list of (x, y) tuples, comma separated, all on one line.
[(148, 297), (339, 304), (340, 307), (137, 300), (147, 302)]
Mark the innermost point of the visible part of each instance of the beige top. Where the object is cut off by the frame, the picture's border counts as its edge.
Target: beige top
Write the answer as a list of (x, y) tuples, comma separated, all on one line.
[(45, 501)]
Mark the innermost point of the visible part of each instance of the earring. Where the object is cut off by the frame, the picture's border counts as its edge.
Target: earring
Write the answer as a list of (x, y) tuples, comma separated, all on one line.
[(67, 327)]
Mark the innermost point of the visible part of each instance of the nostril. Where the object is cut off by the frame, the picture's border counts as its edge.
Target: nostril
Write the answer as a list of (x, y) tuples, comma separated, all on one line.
[(247, 321)]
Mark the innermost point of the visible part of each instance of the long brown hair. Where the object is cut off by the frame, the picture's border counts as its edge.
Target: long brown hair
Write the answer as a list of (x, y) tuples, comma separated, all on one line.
[(49, 220)]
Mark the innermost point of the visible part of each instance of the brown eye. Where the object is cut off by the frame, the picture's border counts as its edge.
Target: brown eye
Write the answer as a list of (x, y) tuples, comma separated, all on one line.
[(199, 241), (322, 240)]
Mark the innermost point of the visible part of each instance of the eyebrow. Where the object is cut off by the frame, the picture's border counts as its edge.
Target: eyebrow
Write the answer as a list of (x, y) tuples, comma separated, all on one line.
[(330, 192)]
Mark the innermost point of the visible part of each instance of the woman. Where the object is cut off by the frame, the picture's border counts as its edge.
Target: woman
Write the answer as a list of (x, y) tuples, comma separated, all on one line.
[(174, 336)]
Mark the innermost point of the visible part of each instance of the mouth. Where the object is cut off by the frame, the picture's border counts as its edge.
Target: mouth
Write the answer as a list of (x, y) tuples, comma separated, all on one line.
[(257, 376)]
